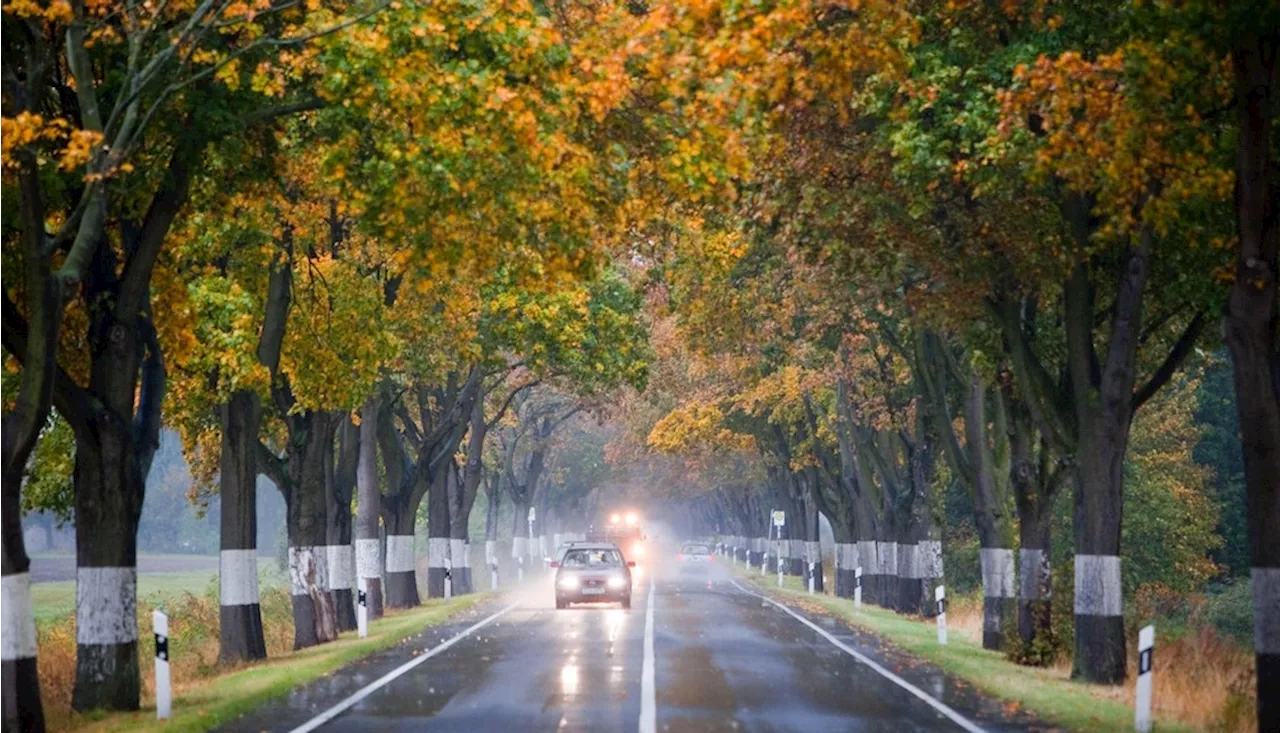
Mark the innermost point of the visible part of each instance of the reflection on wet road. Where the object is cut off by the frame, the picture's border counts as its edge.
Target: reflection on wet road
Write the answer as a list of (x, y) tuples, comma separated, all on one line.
[(722, 660)]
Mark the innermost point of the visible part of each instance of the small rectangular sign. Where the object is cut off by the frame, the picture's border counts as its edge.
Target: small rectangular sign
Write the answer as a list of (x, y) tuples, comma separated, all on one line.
[(779, 518)]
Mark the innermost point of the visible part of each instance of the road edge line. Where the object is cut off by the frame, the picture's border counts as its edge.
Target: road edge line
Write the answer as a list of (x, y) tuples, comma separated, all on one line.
[(933, 702), (391, 676), (648, 692)]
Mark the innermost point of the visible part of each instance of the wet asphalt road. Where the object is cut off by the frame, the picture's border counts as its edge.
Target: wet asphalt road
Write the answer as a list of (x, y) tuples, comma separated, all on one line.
[(723, 660)]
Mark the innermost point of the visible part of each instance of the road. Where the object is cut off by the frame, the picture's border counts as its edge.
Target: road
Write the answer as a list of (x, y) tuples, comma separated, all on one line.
[(717, 658)]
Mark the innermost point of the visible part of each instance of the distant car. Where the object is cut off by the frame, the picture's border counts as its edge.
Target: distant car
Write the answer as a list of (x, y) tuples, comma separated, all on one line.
[(593, 573), (694, 558)]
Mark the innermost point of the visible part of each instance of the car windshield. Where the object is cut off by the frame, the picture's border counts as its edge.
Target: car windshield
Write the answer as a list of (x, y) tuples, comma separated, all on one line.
[(592, 559), (696, 550)]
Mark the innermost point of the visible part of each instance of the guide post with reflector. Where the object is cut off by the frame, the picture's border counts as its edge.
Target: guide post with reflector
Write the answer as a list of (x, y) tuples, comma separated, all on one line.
[(448, 577), (857, 587), (1142, 706), (811, 571), (164, 691), (362, 607), (940, 594)]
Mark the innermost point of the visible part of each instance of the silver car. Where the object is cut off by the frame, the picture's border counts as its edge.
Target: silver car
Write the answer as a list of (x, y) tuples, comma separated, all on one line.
[(593, 573), (694, 558)]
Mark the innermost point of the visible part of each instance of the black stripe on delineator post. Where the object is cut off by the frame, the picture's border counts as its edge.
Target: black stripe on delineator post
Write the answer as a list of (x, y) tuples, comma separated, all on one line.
[(1144, 661), (162, 647)]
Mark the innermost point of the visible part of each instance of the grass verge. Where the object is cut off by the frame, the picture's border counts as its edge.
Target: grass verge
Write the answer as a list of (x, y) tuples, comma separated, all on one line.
[(223, 694), (1046, 692)]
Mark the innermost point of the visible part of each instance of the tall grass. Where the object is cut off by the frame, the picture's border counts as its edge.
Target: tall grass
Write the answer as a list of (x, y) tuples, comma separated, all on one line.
[(193, 647)]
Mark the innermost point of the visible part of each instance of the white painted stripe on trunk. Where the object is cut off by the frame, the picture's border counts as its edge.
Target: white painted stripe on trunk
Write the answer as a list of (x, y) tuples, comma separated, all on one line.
[(887, 557), (460, 550), (368, 559), (490, 552), (930, 558), (342, 566), (308, 570), (106, 605), (648, 688), (1098, 590), (813, 551), (394, 674), (17, 619), (238, 577), (519, 547), (400, 553), (1033, 574), (997, 572), (798, 549), (437, 551), (1266, 609), (909, 561), (867, 557), (933, 702)]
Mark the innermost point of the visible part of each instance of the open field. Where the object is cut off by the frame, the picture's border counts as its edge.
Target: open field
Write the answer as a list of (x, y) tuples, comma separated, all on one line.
[(54, 600)]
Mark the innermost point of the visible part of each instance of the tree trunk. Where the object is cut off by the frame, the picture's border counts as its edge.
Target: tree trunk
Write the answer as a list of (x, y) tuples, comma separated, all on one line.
[(1034, 581), (1103, 397), (438, 548), (401, 587), (995, 532), (314, 617), (368, 511), (239, 615), (1251, 328), (339, 554), (109, 493), (520, 534), (22, 708)]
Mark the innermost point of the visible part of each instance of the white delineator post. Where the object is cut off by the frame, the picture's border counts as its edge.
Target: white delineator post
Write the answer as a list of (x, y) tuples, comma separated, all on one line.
[(940, 595), (857, 587), (491, 559), (764, 563), (811, 569), (362, 607), (448, 576), (164, 692), (1142, 707)]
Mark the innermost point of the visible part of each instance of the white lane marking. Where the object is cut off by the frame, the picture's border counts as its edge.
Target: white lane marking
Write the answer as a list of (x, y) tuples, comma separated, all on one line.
[(391, 676), (936, 704), (648, 703)]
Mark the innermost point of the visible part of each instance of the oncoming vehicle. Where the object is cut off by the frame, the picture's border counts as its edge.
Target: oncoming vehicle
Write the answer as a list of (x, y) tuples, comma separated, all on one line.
[(593, 573), (694, 557), (624, 530)]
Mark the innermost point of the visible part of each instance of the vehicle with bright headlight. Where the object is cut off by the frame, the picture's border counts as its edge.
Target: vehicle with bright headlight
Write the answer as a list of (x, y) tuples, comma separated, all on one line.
[(593, 573)]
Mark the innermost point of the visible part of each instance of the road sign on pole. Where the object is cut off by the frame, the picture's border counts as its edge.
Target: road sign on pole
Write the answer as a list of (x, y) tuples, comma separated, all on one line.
[(779, 518)]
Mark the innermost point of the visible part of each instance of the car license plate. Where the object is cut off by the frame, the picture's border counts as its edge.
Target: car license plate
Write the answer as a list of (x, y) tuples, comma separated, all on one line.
[(593, 591)]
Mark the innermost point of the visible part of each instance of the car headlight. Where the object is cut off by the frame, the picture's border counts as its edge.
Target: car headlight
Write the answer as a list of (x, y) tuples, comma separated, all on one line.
[(617, 582), (569, 582)]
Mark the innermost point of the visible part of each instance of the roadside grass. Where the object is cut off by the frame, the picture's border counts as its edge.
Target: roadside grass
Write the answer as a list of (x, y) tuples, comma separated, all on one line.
[(1191, 685), (57, 600), (206, 693)]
